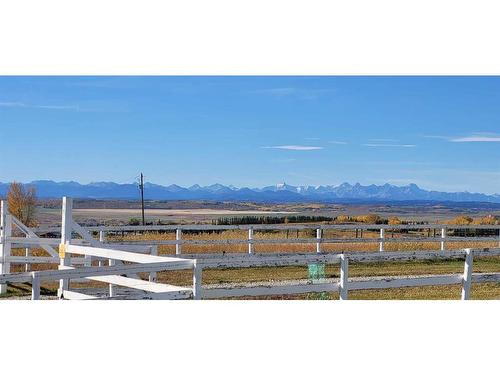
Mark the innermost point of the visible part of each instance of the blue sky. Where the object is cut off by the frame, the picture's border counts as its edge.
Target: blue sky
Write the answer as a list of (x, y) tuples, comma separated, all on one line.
[(441, 133)]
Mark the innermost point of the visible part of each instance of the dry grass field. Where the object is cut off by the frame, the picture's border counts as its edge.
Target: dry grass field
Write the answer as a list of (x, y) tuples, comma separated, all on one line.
[(284, 248)]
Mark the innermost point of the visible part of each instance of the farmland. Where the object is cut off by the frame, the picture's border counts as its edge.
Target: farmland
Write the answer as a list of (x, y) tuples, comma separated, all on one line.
[(111, 212)]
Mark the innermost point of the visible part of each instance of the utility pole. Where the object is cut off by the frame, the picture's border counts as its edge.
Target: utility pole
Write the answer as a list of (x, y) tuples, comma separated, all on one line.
[(141, 187)]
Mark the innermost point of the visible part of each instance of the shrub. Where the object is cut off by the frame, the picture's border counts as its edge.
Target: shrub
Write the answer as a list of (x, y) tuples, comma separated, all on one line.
[(22, 203)]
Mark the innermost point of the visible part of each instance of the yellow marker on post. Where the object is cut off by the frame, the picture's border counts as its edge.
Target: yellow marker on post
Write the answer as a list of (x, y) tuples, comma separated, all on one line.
[(62, 250)]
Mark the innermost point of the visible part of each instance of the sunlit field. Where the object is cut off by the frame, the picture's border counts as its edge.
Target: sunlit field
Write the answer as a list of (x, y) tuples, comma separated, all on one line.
[(291, 234)]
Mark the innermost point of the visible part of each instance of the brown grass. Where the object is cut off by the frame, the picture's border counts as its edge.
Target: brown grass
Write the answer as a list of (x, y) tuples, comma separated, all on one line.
[(284, 248), (485, 291)]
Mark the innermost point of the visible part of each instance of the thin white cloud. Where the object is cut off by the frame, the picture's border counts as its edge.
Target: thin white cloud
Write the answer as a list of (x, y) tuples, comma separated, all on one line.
[(337, 142), (294, 148), (301, 93), (387, 142), (384, 140), (11, 104), (436, 136), (387, 145), (312, 139), (40, 106), (477, 138), (279, 91), (474, 137), (62, 107), (290, 160)]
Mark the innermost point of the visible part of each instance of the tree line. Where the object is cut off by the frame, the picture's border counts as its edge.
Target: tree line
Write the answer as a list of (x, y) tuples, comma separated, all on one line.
[(249, 220)]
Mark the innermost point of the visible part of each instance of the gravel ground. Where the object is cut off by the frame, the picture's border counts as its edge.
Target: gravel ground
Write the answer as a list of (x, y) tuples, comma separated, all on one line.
[(127, 293)]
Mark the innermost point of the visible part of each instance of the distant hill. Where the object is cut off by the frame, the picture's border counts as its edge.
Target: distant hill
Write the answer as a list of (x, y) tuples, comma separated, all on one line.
[(278, 193)]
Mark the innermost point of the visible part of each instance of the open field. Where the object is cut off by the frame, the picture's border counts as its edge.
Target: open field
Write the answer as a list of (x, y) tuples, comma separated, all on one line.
[(285, 248), (123, 215), (201, 214), (120, 212)]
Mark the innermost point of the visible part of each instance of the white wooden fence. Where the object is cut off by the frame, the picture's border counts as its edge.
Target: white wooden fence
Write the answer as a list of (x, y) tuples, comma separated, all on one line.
[(152, 290), (145, 254), (344, 284), (318, 240), (88, 249), (112, 275)]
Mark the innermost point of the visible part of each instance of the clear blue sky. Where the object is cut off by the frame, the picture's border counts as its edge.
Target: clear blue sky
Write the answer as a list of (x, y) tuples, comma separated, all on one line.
[(441, 133)]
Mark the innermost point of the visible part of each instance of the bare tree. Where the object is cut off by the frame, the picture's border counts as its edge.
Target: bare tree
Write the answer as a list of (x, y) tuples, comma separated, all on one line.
[(22, 203)]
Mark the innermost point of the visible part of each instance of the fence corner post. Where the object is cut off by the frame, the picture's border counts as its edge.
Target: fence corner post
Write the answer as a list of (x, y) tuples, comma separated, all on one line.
[(467, 277), (111, 287), (6, 231), (153, 275), (344, 277), (66, 232), (35, 286), (197, 280)]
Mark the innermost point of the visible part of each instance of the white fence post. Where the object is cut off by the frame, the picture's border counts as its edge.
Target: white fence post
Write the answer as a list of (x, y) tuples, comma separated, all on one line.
[(344, 276), (27, 253), (250, 241), (467, 278), (35, 286), (197, 280), (319, 233), (178, 238), (111, 262), (443, 236), (66, 231), (100, 263), (153, 275), (112, 293), (382, 238), (6, 231)]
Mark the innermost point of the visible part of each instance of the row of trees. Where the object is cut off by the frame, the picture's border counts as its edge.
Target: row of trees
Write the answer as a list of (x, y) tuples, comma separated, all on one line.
[(467, 220), (345, 219), (342, 219), (248, 220)]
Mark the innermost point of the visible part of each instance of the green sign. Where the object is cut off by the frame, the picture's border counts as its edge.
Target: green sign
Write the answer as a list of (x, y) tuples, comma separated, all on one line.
[(316, 274), (316, 271)]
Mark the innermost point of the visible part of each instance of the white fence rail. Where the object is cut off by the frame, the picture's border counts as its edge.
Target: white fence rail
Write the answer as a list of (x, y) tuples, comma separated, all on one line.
[(318, 240), (153, 290), (111, 275)]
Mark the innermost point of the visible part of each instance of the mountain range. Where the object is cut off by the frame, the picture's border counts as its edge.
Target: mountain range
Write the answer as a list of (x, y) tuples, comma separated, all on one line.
[(277, 193)]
